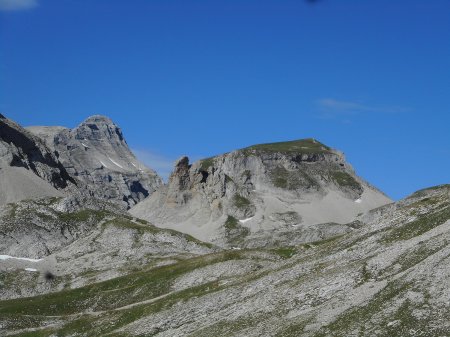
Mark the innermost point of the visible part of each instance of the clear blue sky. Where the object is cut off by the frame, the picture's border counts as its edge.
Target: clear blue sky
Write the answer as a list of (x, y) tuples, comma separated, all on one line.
[(371, 78)]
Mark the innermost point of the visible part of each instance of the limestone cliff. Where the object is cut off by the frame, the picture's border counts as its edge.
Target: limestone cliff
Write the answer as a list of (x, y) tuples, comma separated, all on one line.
[(266, 187), (28, 168), (96, 153)]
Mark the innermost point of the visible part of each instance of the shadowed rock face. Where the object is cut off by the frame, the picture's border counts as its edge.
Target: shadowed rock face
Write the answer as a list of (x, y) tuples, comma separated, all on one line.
[(96, 153), (29, 168), (280, 186)]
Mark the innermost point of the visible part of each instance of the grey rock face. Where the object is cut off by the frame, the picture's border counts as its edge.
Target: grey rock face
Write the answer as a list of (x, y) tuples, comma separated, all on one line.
[(37, 228), (96, 153), (256, 190), (46, 133), (28, 168)]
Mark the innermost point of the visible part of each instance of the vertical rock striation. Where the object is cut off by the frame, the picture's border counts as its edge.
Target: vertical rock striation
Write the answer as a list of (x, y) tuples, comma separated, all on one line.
[(258, 189), (96, 153)]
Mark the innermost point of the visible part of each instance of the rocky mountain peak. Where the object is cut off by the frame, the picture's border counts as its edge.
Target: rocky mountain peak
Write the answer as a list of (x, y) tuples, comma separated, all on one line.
[(182, 163), (258, 188), (96, 153), (98, 119), (99, 128), (302, 150), (307, 145)]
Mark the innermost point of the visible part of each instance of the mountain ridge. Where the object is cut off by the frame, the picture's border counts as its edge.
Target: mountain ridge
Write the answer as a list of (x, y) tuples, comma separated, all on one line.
[(97, 153), (29, 168), (272, 181)]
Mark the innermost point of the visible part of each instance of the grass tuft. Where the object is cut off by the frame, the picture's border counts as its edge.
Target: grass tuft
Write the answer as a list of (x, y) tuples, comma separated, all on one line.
[(306, 146)]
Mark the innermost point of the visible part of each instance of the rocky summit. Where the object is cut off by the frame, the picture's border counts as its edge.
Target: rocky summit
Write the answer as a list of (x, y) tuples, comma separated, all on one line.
[(96, 153), (272, 240), (258, 194)]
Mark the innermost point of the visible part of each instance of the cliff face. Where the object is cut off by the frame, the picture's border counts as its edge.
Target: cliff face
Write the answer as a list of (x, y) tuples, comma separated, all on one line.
[(233, 197), (96, 153), (28, 167)]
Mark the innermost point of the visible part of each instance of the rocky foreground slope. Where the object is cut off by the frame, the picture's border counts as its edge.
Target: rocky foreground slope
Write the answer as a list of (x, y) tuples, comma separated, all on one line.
[(252, 195), (96, 153), (387, 277), (51, 243)]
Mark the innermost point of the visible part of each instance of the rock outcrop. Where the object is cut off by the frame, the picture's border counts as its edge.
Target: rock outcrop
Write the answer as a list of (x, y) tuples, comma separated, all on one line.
[(259, 189), (28, 168), (96, 153)]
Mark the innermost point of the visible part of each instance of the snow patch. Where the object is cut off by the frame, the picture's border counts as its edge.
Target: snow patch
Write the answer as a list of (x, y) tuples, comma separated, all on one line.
[(245, 220), (112, 161), (30, 269), (103, 164), (393, 323), (358, 201), (140, 170), (6, 257)]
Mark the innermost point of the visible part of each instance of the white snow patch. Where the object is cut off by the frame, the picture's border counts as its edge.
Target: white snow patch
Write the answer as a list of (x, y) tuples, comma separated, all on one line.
[(358, 201), (245, 220), (103, 164), (6, 257), (393, 323), (116, 163), (140, 170), (30, 269)]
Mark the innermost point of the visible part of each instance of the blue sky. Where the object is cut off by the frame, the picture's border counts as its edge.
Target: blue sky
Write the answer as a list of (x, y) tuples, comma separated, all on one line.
[(371, 78)]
